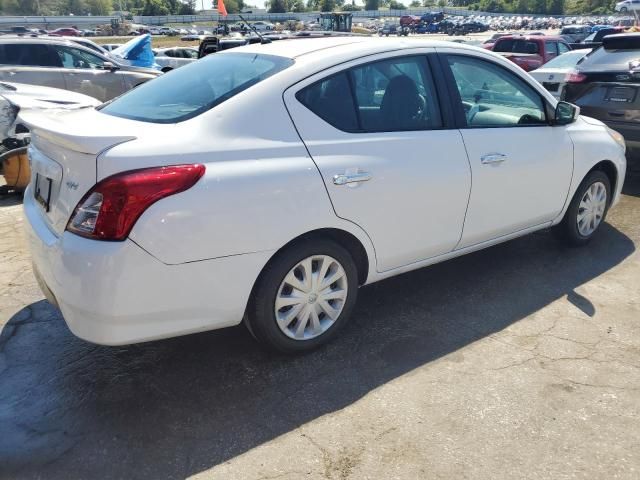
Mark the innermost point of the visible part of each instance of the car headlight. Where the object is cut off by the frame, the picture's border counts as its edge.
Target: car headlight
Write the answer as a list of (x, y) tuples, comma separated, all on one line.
[(617, 137)]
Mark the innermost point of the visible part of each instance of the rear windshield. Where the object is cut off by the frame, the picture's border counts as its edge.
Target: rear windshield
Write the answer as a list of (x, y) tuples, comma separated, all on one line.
[(516, 46), (566, 60), (602, 60), (195, 88)]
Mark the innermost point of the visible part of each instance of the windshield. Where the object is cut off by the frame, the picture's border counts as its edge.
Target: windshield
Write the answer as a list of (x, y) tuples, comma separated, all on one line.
[(516, 46), (601, 60), (195, 88), (566, 60)]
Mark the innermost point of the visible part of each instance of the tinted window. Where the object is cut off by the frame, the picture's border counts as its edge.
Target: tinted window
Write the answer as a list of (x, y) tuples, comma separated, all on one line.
[(34, 55), (516, 46), (332, 101), (493, 96), (196, 87), (390, 95)]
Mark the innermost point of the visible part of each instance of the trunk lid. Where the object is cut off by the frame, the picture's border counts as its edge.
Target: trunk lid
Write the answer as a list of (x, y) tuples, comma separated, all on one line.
[(63, 155)]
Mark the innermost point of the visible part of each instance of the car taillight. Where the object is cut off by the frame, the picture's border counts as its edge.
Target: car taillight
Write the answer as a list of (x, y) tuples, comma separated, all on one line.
[(575, 77), (110, 209)]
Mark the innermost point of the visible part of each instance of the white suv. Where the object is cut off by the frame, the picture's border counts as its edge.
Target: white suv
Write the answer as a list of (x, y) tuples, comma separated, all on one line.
[(627, 6)]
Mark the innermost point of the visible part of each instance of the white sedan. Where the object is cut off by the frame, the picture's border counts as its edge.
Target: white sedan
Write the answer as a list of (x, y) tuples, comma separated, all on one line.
[(555, 74), (180, 207), (172, 58)]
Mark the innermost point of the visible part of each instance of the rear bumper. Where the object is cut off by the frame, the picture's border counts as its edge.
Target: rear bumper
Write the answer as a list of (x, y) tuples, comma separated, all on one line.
[(115, 293)]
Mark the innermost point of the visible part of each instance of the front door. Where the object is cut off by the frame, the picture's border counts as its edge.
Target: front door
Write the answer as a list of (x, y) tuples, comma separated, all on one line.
[(84, 73), (521, 165), (390, 164)]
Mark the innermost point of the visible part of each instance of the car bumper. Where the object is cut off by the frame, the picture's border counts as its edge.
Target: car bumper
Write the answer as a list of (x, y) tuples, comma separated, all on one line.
[(115, 293)]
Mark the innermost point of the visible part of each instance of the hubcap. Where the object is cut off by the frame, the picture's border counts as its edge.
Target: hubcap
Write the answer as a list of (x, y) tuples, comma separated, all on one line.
[(591, 208), (311, 297)]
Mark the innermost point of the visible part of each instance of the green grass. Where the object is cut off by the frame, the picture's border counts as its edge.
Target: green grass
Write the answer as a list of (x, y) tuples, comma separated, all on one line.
[(156, 42)]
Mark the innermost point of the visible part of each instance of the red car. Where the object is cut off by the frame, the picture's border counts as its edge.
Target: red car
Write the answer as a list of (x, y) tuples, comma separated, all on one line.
[(409, 20), (66, 32), (530, 52)]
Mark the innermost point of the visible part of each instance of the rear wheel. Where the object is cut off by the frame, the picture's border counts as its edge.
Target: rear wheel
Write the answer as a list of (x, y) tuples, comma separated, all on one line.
[(587, 210), (303, 297)]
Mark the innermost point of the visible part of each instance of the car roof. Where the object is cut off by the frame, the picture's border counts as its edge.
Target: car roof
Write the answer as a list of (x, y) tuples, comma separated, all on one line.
[(532, 37), (327, 47), (37, 39)]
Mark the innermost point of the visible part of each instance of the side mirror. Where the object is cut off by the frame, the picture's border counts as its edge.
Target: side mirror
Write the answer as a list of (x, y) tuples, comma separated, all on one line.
[(110, 66), (566, 113)]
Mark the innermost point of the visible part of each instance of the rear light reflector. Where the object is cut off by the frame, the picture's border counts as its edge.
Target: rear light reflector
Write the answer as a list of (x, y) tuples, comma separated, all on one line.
[(111, 208), (575, 77)]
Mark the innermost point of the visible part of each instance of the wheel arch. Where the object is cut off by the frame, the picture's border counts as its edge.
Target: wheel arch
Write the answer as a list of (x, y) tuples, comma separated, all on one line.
[(344, 238), (610, 170)]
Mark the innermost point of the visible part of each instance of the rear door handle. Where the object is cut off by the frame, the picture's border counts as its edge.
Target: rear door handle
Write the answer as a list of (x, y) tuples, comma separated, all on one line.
[(493, 158), (347, 178)]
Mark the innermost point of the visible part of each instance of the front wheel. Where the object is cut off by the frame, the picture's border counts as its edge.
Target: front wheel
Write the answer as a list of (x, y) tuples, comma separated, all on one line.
[(303, 297), (587, 210)]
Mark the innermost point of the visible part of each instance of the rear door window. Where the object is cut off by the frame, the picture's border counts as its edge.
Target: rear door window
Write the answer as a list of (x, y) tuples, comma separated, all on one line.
[(25, 54), (385, 96)]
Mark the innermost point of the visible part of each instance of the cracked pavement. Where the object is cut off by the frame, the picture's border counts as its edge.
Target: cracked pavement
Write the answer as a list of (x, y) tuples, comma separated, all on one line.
[(520, 361)]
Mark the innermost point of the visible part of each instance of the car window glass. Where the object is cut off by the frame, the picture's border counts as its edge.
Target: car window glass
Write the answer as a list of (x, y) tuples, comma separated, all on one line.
[(196, 87), (516, 46), (25, 54), (188, 53), (492, 96), (562, 48), (332, 101), (551, 47), (565, 60), (75, 58), (396, 94), (390, 95)]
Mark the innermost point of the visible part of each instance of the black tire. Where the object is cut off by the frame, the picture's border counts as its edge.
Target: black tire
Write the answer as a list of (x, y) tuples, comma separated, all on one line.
[(261, 316), (567, 230)]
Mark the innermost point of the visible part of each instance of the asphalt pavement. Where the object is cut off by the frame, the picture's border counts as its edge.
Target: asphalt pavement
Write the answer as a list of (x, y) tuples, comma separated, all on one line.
[(521, 361)]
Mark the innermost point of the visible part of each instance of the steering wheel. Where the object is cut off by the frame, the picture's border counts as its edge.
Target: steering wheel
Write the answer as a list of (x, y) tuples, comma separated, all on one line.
[(470, 110)]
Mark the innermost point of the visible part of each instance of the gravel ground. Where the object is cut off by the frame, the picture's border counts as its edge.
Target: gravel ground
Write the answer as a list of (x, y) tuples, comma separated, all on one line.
[(521, 361)]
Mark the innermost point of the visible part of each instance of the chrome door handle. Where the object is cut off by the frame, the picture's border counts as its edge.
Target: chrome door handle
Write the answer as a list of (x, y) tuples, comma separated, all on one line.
[(346, 178), (493, 158)]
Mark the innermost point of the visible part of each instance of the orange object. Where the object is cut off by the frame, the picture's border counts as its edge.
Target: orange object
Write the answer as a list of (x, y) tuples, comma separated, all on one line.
[(222, 10), (15, 167)]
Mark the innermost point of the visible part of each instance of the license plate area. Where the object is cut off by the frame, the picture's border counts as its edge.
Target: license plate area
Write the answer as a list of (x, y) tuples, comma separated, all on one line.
[(551, 87), (620, 95), (42, 191)]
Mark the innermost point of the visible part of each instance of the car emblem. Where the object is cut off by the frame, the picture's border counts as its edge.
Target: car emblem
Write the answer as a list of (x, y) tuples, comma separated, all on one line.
[(550, 77), (72, 185), (623, 77)]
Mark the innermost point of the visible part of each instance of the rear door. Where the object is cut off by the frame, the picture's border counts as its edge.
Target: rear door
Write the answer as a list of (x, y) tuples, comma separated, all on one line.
[(389, 155), (30, 63), (84, 73), (521, 165)]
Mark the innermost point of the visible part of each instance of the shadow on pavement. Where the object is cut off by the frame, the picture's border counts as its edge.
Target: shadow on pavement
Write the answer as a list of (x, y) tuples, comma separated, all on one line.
[(173, 408), (169, 409)]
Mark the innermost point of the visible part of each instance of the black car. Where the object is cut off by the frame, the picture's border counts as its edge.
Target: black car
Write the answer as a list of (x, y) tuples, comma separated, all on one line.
[(606, 86)]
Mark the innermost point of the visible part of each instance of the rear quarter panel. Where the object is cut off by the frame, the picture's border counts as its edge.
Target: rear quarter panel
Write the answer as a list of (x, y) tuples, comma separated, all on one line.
[(260, 190)]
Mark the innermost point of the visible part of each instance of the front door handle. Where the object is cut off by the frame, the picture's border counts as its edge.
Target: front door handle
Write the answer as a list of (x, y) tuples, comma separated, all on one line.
[(347, 178), (493, 158)]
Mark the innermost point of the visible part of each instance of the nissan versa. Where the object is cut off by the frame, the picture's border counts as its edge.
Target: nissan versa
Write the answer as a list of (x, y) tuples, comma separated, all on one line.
[(265, 184)]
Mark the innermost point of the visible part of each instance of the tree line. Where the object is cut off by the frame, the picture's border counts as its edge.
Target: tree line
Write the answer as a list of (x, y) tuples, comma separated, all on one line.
[(98, 7)]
